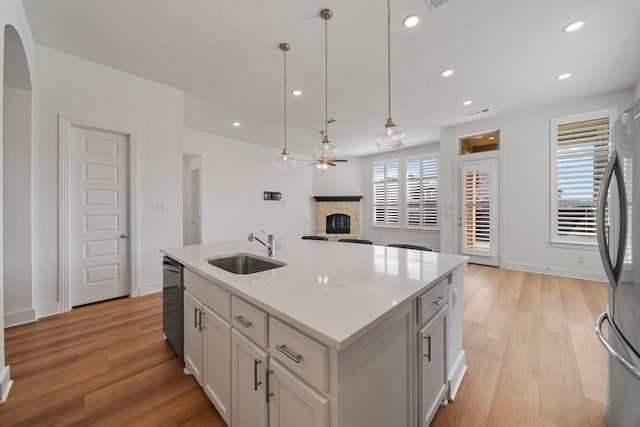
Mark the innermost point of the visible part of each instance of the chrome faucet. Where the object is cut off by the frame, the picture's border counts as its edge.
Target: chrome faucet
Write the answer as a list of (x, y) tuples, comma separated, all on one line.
[(270, 243)]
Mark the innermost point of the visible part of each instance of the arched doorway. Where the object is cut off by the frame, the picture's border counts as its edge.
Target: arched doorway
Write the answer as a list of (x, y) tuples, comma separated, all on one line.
[(16, 251)]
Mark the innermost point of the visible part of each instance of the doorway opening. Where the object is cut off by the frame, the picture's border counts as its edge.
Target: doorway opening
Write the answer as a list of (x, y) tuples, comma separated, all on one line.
[(191, 218)]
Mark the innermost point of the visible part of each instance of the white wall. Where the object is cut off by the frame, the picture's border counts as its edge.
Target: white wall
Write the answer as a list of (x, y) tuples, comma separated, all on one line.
[(234, 175), (385, 235), (80, 89), (18, 295), (525, 225), (636, 91)]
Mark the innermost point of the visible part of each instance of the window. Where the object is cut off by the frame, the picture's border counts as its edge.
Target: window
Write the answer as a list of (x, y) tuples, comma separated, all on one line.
[(422, 192), (386, 193), (581, 146)]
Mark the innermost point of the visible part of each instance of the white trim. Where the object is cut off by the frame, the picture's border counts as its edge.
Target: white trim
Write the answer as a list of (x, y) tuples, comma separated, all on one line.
[(5, 383), (150, 288), (19, 318), (47, 310), (456, 373), (65, 124), (565, 272)]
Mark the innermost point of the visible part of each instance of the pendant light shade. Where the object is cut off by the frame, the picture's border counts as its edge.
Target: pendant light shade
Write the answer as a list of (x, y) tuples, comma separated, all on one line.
[(390, 138), (285, 160)]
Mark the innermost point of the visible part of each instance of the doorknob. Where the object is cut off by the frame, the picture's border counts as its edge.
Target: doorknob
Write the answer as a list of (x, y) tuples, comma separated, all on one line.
[(124, 235)]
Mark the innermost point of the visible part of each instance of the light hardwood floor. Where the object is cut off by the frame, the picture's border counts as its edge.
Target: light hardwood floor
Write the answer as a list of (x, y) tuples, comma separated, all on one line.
[(532, 356)]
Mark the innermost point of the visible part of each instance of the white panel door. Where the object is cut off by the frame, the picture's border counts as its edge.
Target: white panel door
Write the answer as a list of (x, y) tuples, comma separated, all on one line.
[(479, 216), (98, 216)]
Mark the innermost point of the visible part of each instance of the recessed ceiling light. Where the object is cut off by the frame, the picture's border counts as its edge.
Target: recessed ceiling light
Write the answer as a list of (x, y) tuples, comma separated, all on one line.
[(467, 102), (563, 76), (410, 21), (296, 92), (236, 124), (573, 26), (447, 73)]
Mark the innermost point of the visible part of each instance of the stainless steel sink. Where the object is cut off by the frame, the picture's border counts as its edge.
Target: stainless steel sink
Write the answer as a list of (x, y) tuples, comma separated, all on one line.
[(244, 263)]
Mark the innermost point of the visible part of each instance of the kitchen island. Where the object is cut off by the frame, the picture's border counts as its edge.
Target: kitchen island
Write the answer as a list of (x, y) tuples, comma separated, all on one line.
[(341, 335)]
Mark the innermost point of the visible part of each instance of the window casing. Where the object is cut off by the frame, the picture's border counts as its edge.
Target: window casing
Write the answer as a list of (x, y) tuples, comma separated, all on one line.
[(421, 196), (405, 193), (581, 146), (386, 193)]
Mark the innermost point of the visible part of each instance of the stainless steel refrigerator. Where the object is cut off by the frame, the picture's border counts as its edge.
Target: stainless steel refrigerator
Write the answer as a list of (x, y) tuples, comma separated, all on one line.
[(619, 244)]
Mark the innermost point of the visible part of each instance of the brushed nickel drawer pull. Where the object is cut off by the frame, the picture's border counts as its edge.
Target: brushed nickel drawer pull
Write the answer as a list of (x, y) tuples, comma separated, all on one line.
[(440, 300), (284, 350), (243, 322), (256, 383), (428, 355)]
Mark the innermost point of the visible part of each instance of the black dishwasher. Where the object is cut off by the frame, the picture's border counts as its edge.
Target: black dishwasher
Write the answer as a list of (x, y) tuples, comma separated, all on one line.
[(172, 303)]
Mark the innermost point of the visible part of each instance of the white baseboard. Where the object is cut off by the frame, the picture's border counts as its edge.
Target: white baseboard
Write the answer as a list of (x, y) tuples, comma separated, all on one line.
[(456, 373), (19, 318), (564, 272), (5, 383), (150, 288), (48, 310)]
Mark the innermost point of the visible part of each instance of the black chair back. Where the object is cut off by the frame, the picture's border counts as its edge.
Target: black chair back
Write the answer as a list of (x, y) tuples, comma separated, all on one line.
[(407, 246), (364, 242), (314, 238)]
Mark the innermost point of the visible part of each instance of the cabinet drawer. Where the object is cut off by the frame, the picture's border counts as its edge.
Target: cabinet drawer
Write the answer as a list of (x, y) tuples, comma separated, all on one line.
[(209, 294), (304, 356), (250, 320), (432, 301)]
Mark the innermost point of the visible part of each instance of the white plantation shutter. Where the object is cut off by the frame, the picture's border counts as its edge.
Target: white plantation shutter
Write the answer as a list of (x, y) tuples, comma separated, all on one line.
[(477, 209), (581, 148), (386, 185), (422, 192)]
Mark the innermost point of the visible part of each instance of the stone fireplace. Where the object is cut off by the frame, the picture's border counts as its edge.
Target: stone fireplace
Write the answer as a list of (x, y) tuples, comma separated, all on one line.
[(338, 217)]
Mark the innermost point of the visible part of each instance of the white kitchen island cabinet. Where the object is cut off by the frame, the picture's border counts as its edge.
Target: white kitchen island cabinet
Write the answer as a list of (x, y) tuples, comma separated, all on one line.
[(332, 338)]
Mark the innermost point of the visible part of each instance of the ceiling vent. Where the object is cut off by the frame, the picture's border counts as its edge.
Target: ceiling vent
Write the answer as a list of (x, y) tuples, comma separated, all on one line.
[(485, 110), (434, 4)]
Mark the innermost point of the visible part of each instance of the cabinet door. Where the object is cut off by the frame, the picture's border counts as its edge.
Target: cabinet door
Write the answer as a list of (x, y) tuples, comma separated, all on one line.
[(193, 336), (432, 377), (217, 362), (292, 403), (248, 369)]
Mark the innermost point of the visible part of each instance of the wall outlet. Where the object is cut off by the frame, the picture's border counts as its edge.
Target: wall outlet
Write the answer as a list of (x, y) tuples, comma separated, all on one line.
[(158, 207)]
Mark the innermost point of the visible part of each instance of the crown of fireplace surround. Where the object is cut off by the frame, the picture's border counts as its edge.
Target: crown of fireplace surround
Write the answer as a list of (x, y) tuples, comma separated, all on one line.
[(338, 205)]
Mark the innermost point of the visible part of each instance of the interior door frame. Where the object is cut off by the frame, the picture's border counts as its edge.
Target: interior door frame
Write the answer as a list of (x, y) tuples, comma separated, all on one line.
[(65, 126), (457, 229)]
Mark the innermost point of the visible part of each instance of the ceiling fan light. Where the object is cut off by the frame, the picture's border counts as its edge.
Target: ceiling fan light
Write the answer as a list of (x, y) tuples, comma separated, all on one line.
[(390, 139)]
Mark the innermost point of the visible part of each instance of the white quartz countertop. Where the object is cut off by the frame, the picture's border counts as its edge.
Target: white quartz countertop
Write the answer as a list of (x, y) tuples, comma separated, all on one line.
[(333, 291)]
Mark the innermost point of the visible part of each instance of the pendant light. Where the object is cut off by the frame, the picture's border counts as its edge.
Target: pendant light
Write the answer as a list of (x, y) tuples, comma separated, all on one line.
[(285, 161), (326, 152), (390, 138)]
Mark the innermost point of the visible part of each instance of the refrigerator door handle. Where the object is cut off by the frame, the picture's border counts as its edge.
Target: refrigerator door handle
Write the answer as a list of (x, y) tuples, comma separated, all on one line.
[(634, 370), (614, 167)]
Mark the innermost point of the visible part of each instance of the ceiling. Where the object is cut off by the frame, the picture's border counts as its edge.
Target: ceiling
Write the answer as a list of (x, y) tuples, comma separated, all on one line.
[(224, 55)]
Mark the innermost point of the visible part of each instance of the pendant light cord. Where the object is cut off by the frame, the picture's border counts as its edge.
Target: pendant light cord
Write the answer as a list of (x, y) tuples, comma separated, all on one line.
[(285, 102), (326, 83), (389, 54)]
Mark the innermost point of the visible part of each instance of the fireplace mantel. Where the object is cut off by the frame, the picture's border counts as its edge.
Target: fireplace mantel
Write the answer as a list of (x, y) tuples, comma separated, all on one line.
[(337, 198)]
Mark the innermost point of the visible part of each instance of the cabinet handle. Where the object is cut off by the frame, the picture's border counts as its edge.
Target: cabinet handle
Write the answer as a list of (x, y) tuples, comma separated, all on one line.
[(256, 383), (268, 393), (428, 356), (200, 327), (243, 322), (195, 316), (284, 350), (440, 300)]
